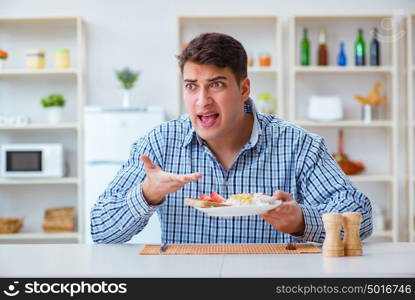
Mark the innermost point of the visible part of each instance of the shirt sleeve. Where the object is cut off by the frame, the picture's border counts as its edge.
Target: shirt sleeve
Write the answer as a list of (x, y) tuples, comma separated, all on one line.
[(324, 188), (121, 210)]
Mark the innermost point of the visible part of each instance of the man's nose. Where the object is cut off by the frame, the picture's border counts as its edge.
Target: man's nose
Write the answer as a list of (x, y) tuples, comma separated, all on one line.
[(204, 98)]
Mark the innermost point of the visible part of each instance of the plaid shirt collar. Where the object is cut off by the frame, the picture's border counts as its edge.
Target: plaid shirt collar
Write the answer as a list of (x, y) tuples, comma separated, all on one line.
[(249, 107)]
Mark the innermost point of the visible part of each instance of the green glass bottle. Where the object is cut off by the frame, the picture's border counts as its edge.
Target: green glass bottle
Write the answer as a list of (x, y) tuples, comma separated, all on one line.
[(305, 49), (360, 50)]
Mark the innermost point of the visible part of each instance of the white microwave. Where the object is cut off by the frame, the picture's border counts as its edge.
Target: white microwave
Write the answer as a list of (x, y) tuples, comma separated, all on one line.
[(32, 160)]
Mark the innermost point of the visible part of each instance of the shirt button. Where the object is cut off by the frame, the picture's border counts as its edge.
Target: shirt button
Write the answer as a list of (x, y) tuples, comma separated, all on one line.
[(225, 182)]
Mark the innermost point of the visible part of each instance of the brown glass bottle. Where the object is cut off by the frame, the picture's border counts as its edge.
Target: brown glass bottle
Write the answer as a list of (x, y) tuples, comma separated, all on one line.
[(323, 55)]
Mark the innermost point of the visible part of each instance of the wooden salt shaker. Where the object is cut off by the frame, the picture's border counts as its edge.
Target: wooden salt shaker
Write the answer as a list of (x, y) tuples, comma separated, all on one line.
[(333, 245), (351, 240)]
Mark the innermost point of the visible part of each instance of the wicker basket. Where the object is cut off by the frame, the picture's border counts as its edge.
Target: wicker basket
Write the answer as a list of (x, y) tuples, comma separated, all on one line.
[(58, 226), (59, 220), (62, 212), (11, 225)]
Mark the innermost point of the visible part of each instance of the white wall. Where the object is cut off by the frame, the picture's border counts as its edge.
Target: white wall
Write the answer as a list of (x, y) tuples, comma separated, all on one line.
[(142, 35)]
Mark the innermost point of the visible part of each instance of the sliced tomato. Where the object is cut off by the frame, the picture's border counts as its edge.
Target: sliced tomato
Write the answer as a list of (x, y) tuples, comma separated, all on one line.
[(204, 198), (216, 197)]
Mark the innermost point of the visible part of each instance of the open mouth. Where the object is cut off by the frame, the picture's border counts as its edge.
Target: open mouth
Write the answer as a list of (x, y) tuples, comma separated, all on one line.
[(208, 120)]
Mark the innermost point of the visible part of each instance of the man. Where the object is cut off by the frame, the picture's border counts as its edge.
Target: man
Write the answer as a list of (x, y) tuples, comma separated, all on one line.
[(224, 145)]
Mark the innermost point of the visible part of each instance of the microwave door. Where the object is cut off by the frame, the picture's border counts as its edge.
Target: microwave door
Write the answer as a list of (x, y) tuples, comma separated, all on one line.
[(21, 163), (24, 161)]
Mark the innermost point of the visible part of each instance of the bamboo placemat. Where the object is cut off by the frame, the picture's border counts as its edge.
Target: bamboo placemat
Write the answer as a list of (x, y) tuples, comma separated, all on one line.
[(202, 249)]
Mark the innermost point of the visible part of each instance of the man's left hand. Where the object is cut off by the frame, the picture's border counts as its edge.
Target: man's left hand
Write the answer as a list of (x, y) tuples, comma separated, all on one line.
[(288, 217)]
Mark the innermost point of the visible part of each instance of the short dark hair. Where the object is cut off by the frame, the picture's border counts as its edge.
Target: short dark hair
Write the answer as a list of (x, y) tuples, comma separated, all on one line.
[(216, 49)]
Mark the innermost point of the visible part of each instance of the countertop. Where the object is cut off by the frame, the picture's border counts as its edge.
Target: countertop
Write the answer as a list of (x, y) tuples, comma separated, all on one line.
[(82, 260)]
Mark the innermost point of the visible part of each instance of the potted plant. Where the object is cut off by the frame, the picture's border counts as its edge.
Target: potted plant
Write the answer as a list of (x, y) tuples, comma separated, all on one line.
[(54, 105), (127, 78), (372, 102), (265, 103), (3, 56)]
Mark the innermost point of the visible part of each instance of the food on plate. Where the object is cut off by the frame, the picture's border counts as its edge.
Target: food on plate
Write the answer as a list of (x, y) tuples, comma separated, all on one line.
[(215, 200), (241, 199), (263, 199)]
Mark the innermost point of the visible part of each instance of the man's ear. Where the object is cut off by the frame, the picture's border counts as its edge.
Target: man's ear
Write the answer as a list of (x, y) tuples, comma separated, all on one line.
[(245, 85)]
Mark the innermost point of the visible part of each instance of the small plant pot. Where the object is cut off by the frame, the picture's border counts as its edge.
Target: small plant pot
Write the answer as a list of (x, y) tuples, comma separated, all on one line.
[(367, 113), (126, 100), (265, 106), (2, 63), (54, 114)]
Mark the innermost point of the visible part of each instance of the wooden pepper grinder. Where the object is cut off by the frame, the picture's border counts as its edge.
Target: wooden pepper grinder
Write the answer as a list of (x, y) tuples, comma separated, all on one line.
[(333, 245), (351, 240)]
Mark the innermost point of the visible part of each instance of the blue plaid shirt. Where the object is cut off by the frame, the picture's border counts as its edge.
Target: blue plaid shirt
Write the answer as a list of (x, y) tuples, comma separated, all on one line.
[(279, 156)]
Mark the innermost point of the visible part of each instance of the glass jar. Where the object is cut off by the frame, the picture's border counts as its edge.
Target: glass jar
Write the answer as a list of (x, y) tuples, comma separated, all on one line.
[(250, 59), (264, 59), (62, 59), (35, 59)]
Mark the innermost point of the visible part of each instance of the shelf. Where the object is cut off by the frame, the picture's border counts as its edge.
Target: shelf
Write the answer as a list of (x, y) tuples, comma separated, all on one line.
[(12, 72), (377, 141), (346, 69), (346, 123), (382, 233), (39, 236), (42, 126), (16, 181), (227, 17), (263, 70), (335, 17), (25, 84), (371, 178), (38, 19)]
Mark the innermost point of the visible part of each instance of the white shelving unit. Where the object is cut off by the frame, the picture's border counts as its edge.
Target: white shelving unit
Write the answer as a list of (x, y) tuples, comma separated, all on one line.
[(64, 180), (345, 123), (410, 69), (370, 142), (31, 197), (11, 72), (70, 237), (244, 28), (345, 69), (40, 126)]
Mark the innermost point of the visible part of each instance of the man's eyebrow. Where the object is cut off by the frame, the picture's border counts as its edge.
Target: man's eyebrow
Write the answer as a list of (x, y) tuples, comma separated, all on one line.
[(217, 78), (210, 79)]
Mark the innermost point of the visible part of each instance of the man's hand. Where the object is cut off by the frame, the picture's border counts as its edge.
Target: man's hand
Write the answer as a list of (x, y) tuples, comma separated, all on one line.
[(158, 183), (288, 217)]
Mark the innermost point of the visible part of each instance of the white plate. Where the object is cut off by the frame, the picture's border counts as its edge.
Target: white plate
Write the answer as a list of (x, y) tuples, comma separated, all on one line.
[(237, 211)]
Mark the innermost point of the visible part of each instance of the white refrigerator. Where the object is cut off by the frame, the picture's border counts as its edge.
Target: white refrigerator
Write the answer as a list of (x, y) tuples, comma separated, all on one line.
[(109, 134)]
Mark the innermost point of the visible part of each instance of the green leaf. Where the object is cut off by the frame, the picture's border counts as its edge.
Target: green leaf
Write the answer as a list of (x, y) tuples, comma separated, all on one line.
[(127, 77), (265, 97), (53, 100)]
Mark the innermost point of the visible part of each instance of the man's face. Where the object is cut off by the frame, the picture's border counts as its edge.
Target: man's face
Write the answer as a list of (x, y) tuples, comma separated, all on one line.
[(214, 99)]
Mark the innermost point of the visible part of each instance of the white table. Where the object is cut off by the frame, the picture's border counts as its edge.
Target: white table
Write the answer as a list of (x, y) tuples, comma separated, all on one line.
[(78, 260)]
